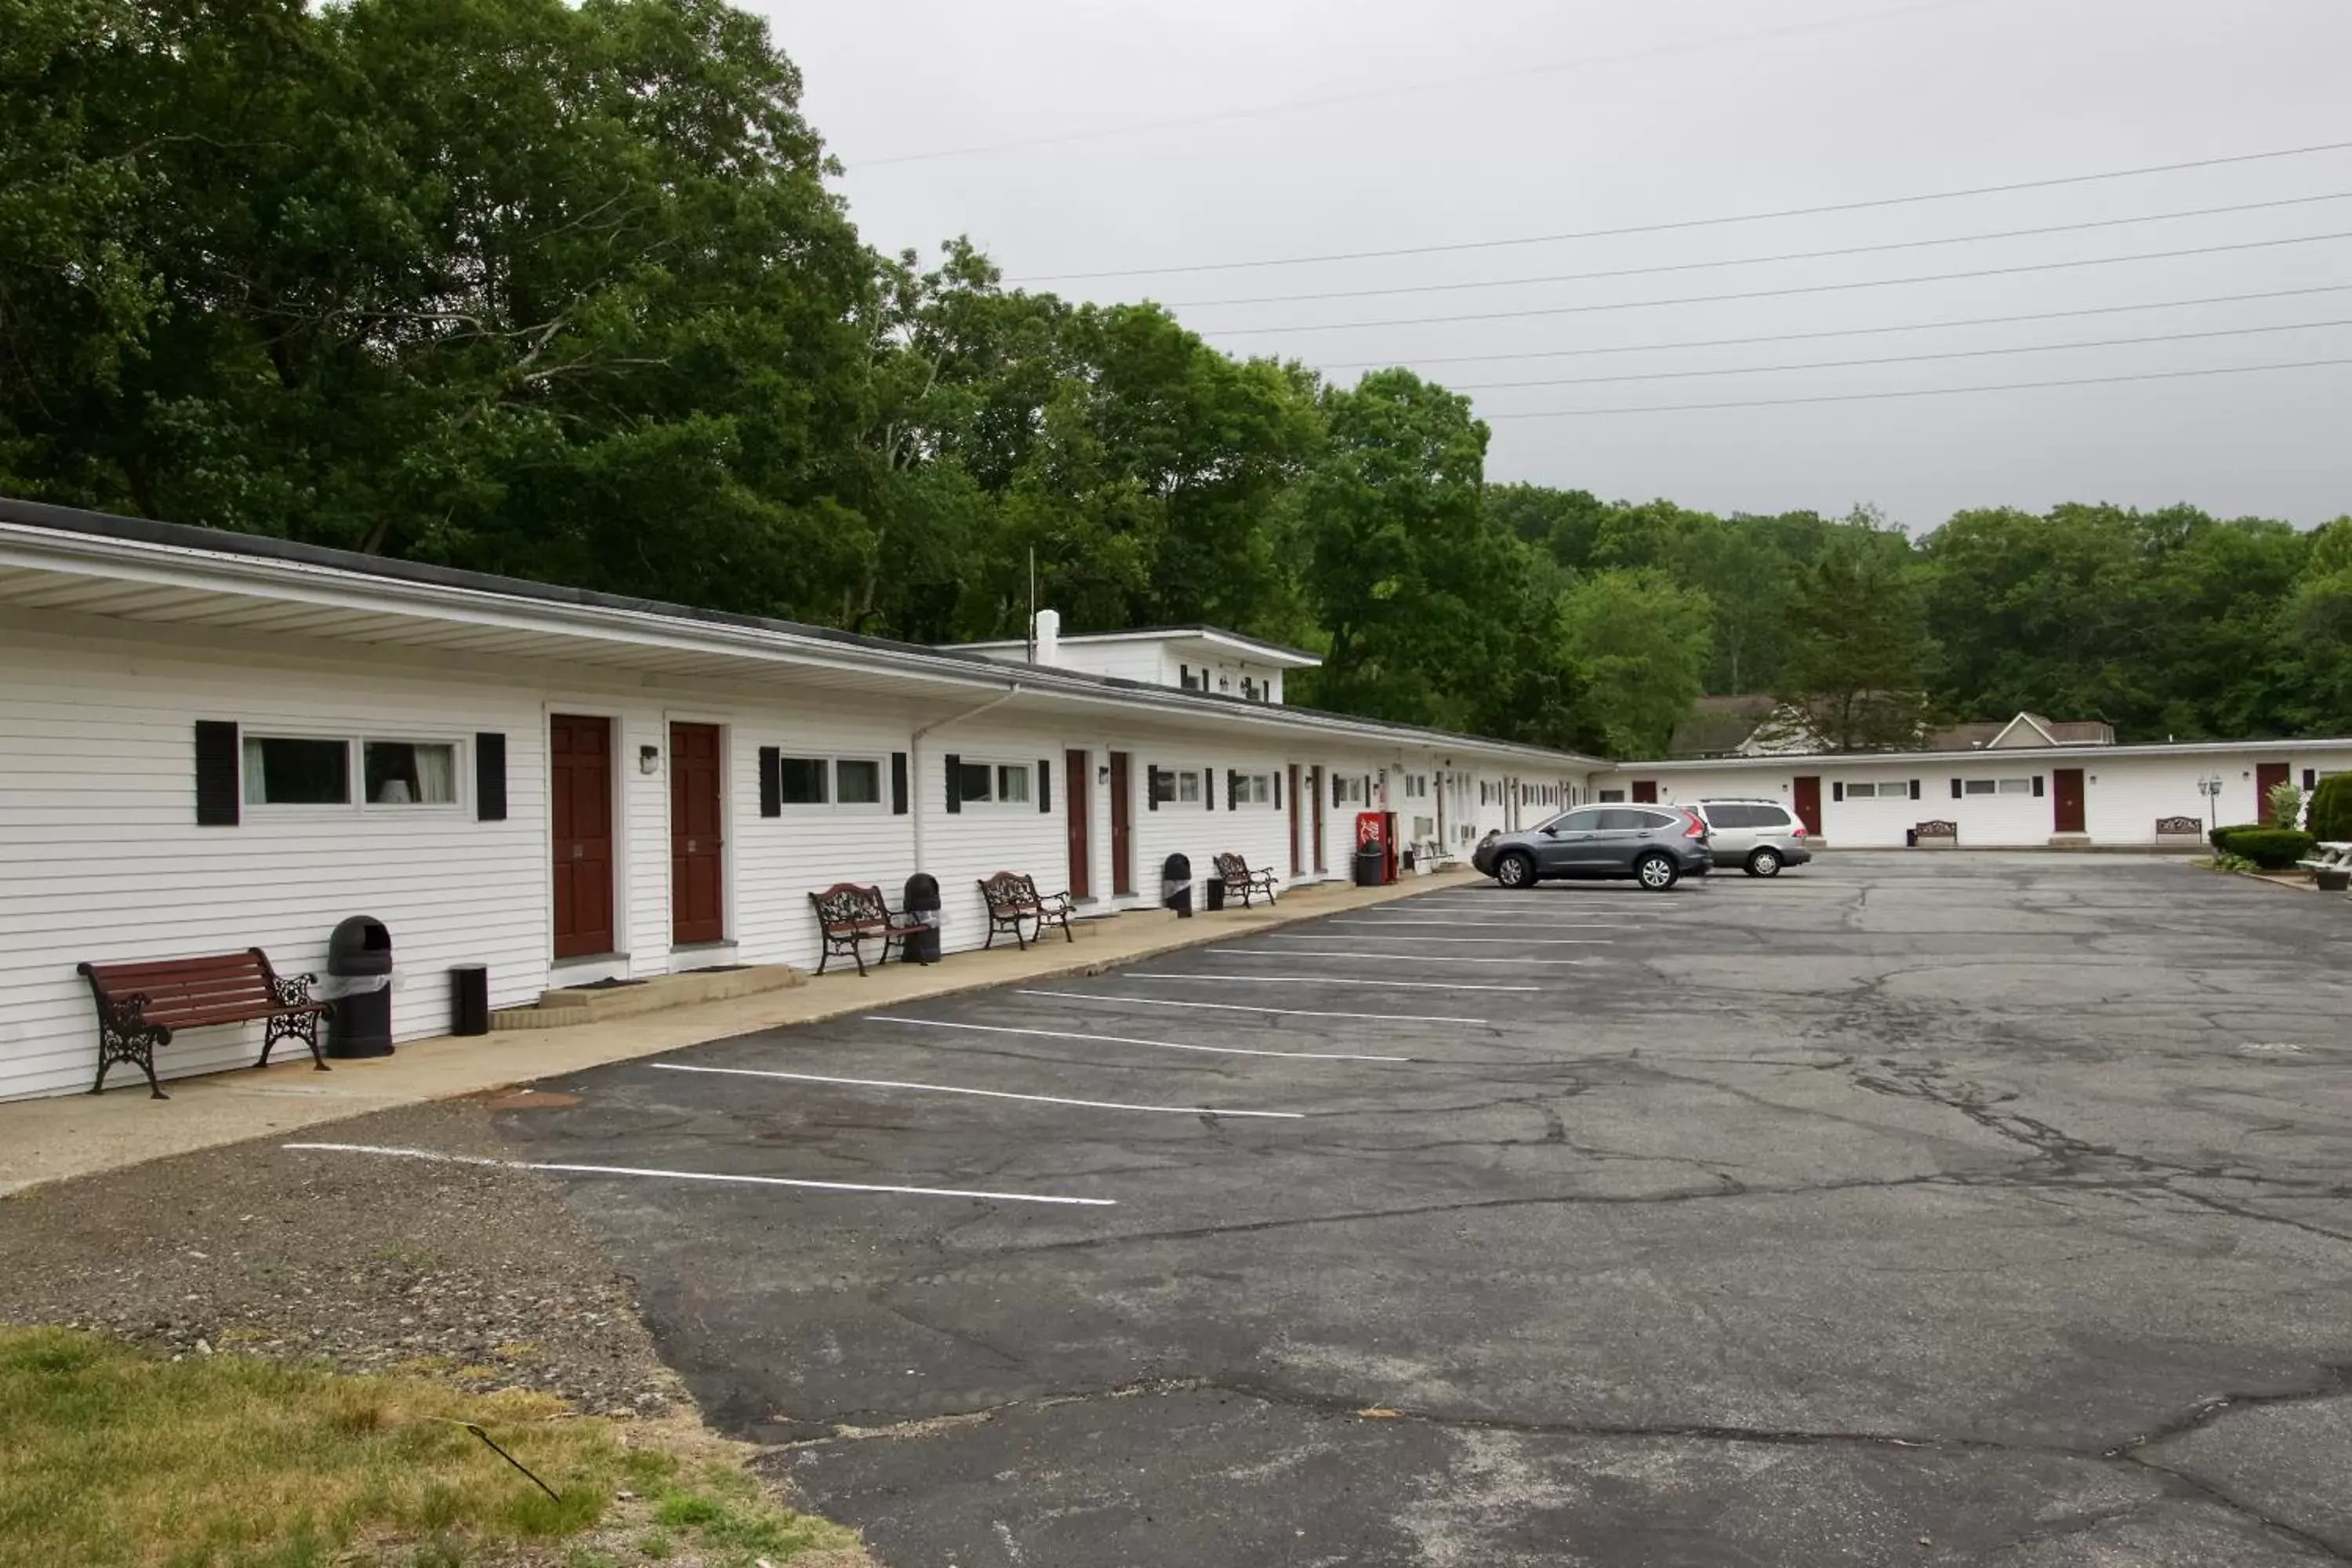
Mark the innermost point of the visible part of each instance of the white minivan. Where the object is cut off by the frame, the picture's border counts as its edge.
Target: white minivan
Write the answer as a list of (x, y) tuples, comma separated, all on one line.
[(1759, 837)]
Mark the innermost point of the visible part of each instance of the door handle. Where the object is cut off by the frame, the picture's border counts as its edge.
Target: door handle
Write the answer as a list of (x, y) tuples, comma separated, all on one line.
[(580, 851), (690, 846)]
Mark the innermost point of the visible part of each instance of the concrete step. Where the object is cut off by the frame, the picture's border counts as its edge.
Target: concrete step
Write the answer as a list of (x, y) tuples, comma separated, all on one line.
[(596, 1005)]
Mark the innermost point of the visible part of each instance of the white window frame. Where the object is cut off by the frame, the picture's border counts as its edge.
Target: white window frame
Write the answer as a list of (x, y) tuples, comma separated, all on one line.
[(832, 800), (1257, 789), (2014, 786), (1973, 787), (811, 807), (995, 801), (1187, 777), (354, 801), (456, 800)]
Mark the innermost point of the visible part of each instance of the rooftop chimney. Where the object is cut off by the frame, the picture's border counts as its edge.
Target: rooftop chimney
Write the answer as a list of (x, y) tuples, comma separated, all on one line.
[(1045, 638)]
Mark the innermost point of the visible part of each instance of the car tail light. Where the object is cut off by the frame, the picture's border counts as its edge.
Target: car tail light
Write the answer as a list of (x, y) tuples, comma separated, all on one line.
[(1698, 828)]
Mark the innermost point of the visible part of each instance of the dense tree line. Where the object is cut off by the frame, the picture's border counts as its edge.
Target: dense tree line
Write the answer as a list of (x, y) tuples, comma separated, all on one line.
[(561, 291)]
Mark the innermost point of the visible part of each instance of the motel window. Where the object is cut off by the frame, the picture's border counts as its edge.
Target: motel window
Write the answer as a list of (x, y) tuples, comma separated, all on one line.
[(2017, 786), (1188, 789), (1979, 786), (1347, 790), (857, 781), (975, 781), (1609, 795), (1256, 789), (286, 770), (1011, 784), (409, 772), (803, 781)]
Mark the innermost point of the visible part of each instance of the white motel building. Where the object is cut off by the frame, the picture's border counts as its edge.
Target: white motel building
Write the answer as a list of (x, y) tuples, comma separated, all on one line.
[(211, 741)]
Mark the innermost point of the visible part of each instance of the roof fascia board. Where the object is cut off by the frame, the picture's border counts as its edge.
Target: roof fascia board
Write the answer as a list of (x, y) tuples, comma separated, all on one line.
[(1800, 762), (105, 557)]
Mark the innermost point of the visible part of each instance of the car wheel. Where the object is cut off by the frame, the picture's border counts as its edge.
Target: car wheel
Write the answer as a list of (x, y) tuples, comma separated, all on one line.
[(1764, 863), (1656, 872), (1516, 868)]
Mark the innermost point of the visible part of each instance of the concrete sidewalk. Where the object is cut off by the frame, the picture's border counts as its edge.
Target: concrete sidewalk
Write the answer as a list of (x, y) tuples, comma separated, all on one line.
[(50, 1139)]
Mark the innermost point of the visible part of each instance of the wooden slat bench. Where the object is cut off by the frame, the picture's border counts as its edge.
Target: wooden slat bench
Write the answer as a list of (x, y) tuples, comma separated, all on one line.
[(141, 1005), (2180, 832), (1014, 904), (1242, 883), (849, 915)]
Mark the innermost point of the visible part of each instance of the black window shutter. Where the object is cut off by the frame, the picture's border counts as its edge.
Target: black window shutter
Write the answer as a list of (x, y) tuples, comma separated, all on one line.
[(2310, 779), (955, 776), (490, 776), (1233, 789), (1277, 787), (217, 796), (771, 781), (1150, 789), (897, 784), (2037, 786), (1837, 789), (1183, 676), (1956, 789), (1045, 784), (1915, 789), (1209, 789)]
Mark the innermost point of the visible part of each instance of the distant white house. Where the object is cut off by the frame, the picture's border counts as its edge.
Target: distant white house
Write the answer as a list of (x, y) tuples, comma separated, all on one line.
[(1191, 659)]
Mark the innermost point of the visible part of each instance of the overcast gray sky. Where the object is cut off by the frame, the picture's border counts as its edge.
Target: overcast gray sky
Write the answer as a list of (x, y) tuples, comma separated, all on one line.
[(1316, 126)]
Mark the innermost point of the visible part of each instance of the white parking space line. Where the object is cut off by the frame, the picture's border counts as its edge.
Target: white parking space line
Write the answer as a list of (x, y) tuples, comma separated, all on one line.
[(1490, 925), (436, 1157), (1238, 1007), (1127, 1039), (1329, 980), (1400, 957), (978, 1093), (1521, 941)]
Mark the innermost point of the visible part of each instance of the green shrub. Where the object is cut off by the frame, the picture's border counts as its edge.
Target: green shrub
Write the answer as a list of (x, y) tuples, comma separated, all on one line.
[(2271, 849), (2221, 836), (2331, 809)]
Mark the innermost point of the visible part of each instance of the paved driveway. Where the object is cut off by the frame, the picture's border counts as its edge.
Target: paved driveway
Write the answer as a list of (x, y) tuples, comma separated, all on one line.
[(1916, 1209)]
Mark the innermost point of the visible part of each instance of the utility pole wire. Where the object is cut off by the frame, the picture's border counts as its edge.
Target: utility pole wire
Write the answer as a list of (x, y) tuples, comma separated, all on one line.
[(1917, 392), (1873, 204), (1760, 260), (1899, 359), (1841, 331), (1779, 294)]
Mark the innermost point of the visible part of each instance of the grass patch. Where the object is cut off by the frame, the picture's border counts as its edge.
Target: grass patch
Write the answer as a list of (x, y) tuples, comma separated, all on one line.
[(111, 1457)]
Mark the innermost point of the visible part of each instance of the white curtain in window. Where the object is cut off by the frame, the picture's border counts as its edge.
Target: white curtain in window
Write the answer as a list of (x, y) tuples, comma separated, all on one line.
[(256, 783), (437, 775)]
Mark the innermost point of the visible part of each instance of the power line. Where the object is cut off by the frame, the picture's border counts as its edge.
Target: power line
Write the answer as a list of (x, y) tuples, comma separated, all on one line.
[(1918, 392), (1364, 95), (1871, 204), (1419, 360), (1781, 293), (1759, 260), (1900, 358)]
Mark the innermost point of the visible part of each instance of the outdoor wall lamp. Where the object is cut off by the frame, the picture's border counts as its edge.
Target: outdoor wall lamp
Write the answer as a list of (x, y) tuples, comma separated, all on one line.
[(1102, 773), (648, 760)]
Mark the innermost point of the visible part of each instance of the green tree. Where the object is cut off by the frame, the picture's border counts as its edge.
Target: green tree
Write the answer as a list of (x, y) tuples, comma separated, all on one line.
[(1641, 643), (1854, 670)]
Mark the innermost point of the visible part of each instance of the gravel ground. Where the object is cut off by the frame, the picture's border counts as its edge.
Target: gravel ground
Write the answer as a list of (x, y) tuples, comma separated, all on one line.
[(474, 1274)]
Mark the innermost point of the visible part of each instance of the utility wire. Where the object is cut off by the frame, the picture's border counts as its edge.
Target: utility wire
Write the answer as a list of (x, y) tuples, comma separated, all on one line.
[(1899, 359), (1917, 392), (1838, 331), (1781, 293), (1869, 205), (1365, 95), (1759, 260)]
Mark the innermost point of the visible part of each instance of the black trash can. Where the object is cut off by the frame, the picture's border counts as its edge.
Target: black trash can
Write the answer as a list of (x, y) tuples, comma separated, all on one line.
[(1215, 889), (1910, 838), (1370, 863), (1176, 885), (921, 902), (469, 999), (359, 969)]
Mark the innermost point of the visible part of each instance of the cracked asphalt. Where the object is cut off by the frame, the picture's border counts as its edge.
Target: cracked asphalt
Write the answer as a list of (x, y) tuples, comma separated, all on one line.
[(1931, 1209)]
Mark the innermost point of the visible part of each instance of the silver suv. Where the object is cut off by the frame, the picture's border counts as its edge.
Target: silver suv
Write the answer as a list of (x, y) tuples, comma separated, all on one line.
[(1758, 835)]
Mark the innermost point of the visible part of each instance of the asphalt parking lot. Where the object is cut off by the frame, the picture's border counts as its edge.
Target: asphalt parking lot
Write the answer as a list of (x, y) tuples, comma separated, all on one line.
[(1919, 1209)]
